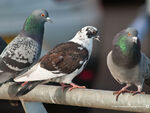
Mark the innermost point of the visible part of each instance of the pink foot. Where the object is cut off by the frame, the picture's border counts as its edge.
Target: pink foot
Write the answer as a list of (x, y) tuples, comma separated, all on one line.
[(120, 92), (123, 90), (137, 92), (23, 84), (75, 86), (64, 86)]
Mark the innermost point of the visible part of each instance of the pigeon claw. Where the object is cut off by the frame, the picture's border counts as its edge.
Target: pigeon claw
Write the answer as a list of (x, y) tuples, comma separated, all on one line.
[(75, 86), (136, 92), (117, 93), (64, 86)]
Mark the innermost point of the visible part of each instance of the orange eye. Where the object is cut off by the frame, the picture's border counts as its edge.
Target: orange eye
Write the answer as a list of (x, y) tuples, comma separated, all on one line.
[(129, 34), (42, 15)]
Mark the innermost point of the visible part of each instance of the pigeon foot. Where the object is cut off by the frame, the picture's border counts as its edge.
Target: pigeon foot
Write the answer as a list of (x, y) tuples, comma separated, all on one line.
[(136, 92), (75, 86), (123, 90), (64, 86), (23, 84)]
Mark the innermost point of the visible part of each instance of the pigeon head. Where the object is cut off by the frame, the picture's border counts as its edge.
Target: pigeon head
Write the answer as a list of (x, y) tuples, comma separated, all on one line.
[(126, 47), (87, 33), (85, 37), (41, 15), (90, 32), (131, 31), (127, 40), (34, 24)]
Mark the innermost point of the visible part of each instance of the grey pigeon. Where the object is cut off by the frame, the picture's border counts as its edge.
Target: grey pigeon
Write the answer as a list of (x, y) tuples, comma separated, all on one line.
[(25, 49), (127, 63), (62, 63), (3, 44)]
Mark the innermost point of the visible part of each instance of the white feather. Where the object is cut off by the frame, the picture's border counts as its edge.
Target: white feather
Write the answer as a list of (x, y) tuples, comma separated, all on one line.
[(85, 42), (36, 73)]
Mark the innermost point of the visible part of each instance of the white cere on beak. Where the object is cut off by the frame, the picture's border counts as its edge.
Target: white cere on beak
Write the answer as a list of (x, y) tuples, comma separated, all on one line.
[(134, 39), (97, 38), (49, 19)]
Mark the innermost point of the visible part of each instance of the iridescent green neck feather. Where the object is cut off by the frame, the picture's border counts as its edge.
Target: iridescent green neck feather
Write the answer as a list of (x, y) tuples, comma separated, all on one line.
[(33, 26), (122, 44)]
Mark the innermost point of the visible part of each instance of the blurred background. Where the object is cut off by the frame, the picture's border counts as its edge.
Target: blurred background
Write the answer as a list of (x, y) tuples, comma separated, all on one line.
[(69, 16)]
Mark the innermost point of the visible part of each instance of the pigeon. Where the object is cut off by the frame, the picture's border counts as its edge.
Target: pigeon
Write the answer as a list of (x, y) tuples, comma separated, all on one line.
[(25, 49), (127, 64), (3, 44), (62, 63)]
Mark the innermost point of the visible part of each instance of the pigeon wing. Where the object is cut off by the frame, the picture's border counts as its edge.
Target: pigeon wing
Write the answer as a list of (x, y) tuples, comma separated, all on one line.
[(21, 53)]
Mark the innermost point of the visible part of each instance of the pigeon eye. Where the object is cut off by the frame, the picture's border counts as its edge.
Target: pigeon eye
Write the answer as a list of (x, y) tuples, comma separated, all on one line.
[(129, 34), (87, 29), (42, 15)]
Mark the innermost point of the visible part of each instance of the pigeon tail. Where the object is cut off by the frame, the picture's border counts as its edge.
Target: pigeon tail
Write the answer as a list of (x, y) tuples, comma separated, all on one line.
[(27, 87), (5, 77), (146, 67)]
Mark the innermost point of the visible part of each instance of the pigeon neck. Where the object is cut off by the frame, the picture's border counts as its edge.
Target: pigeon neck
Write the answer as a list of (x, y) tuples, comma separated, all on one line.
[(85, 42), (126, 55), (33, 28)]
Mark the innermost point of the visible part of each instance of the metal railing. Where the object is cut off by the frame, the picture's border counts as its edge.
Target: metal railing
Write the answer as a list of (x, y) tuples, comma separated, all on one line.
[(82, 97)]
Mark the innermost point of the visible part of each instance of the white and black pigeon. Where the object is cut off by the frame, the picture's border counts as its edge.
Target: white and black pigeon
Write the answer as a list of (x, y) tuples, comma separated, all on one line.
[(25, 49), (62, 63), (3, 44), (127, 63)]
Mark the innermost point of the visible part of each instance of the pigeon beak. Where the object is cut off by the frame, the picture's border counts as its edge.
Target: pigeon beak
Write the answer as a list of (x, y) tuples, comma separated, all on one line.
[(48, 19), (134, 39), (97, 38)]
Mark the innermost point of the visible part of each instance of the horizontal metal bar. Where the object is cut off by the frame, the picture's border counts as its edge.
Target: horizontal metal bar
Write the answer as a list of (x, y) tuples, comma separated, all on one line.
[(81, 97)]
